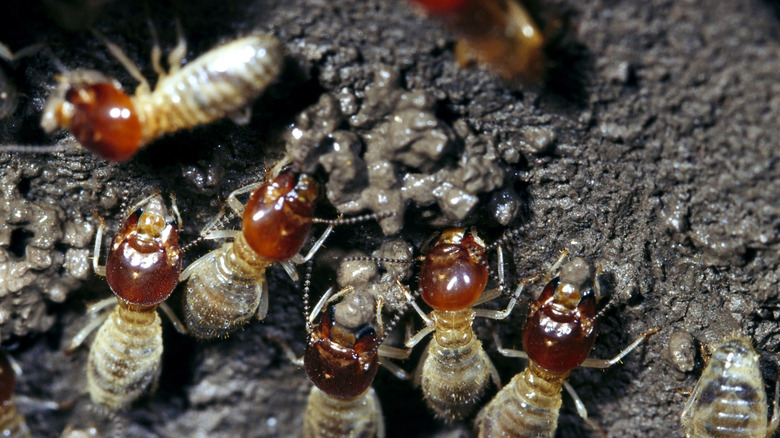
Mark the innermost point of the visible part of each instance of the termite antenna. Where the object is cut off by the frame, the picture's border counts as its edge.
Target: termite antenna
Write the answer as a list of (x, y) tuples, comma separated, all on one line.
[(376, 259), (597, 289), (354, 220), (397, 317), (306, 307), (503, 239)]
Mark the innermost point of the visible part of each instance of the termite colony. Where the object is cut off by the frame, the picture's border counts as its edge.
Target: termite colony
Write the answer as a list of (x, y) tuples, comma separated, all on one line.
[(226, 288)]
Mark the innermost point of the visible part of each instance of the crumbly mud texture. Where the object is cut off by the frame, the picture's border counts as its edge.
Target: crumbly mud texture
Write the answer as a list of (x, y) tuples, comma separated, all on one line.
[(652, 151)]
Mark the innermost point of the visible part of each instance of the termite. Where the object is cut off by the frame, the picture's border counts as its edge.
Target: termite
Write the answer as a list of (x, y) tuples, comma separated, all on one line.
[(12, 423), (341, 359), (113, 125), (227, 287), (729, 398), (498, 33), (142, 268), (558, 336), (455, 370)]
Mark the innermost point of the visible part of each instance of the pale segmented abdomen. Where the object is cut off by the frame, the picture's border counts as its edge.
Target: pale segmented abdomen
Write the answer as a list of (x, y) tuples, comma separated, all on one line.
[(328, 417), (12, 424), (729, 399), (526, 407), (453, 379), (224, 292), (125, 358), (219, 83)]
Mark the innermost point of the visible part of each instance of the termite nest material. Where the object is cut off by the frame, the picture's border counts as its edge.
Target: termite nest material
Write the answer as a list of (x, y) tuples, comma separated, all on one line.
[(43, 252), (384, 147)]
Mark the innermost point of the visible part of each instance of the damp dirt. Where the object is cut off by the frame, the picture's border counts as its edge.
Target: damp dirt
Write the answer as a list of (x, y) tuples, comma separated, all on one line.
[(651, 151)]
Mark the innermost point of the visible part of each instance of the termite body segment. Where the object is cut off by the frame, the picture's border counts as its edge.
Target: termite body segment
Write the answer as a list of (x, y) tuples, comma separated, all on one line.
[(455, 370), (226, 287), (558, 336), (729, 398), (498, 33), (142, 268), (12, 423), (113, 125)]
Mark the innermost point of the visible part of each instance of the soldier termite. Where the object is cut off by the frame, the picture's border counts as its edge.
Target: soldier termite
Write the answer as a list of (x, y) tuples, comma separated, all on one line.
[(142, 268), (558, 335), (113, 125), (498, 33), (455, 369), (341, 360), (226, 287), (729, 398)]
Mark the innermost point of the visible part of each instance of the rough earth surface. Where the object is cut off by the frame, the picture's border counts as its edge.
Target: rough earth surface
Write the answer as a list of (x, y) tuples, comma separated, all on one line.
[(651, 151)]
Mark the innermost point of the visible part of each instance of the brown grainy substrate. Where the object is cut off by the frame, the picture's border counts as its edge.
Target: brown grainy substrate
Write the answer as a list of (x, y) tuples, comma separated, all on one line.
[(662, 167)]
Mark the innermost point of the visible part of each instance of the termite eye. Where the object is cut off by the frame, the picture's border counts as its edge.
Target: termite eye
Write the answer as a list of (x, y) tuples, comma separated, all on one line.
[(143, 269), (7, 379), (556, 337), (452, 277), (441, 6), (278, 216), (104, 121)]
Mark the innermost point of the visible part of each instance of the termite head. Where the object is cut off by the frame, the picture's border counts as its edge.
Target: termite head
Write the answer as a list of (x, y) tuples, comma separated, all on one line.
[(144, 259), (278, 217), (341, 361), (7, 380), (440, 7), (454, 273), (561, 326), (99, 114)]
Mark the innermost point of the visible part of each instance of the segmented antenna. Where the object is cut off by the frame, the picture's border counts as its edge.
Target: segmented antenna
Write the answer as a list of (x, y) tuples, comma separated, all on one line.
[(504, 238), (389, 328), (355, 219), (306, 307), (375, 259), (597, 286)]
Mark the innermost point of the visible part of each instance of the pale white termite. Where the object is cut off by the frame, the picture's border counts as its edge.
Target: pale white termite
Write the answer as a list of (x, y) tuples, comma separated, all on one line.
[(729, 398), (142, 268), (558, 336), (113, 125)]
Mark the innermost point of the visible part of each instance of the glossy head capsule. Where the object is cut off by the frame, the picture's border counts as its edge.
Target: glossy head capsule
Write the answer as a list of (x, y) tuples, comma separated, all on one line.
[(341, 363), (144, 259), (561, 327), (454, 273), (99, 114), (278, 216)]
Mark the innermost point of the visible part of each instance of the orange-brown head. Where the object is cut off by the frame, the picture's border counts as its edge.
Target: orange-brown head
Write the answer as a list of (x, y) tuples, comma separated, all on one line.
[(99, 114), (278, 217), (561, 326), (144, 259), (339, 361), (454, 273)]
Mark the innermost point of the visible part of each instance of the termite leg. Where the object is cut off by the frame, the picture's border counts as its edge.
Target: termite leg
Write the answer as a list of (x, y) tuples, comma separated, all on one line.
[(100, 305), (221, 234), (606, 363), (397, 371), (506, 351), (298, 259), (320, 305), (176, 56), (419, 336), (96, 267), (175, 321), (501, 314), (262, 308), (380, 418), (233, 201), (132, 69), (156, 50), (287, 350), (581, 410), (85, 332)]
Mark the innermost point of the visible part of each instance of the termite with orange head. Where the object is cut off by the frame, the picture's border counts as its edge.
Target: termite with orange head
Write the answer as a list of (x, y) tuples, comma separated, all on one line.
[(455, 370), (112, 124), (341, 359), (558, 336), (226, 287), (142, 268), (498, 33)]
